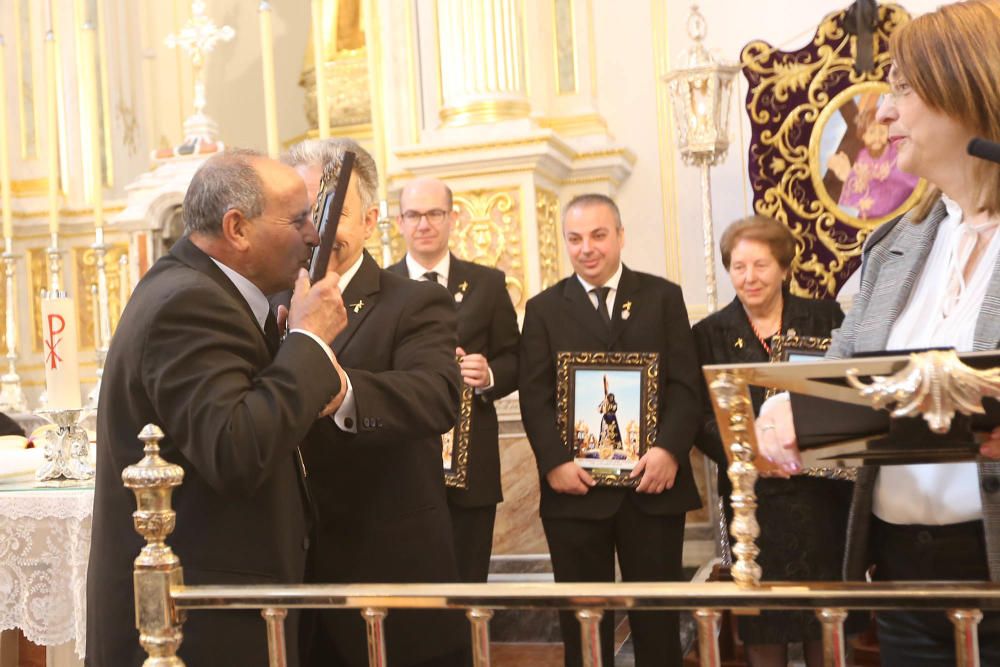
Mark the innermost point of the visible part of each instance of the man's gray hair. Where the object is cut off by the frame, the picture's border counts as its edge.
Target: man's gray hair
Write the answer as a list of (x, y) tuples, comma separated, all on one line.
[(593, 199), (327, 152), (226, 181)]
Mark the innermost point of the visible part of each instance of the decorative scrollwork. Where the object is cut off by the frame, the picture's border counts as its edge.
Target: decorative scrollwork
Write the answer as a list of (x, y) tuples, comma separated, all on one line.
[(788, 93), (935, 384)]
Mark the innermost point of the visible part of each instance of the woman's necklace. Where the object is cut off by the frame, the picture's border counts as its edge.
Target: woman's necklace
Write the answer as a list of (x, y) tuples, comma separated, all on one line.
[(764, 342)]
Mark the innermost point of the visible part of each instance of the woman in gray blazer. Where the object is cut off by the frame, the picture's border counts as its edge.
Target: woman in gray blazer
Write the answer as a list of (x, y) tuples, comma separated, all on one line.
[(930, 279)]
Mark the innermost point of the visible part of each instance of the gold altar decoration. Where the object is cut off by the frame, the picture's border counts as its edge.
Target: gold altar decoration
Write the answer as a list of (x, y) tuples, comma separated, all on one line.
[(488, 232), (792, 99), (547, 215), (935, 384), (344, 66), (85, 261), (701, 89)]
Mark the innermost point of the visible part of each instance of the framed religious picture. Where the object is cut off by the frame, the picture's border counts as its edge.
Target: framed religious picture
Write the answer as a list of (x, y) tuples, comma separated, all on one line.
[(607, 410), (455, 444), (853, 163), (792, 347)]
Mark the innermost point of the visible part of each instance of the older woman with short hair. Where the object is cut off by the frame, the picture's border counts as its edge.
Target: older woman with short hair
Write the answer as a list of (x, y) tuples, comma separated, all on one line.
[(795, 543)]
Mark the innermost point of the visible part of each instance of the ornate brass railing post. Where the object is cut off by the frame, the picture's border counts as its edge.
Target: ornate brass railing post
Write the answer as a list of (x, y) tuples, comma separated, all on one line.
[(276, 652), (734, 414), (708, 637), (375, 622), (590, 636), (966, 636), (833, 636), (157, 568), (479, 618)]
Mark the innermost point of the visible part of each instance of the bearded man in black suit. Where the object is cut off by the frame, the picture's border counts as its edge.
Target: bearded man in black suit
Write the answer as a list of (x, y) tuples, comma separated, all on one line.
[(375, 466), (606, 307), (487, 352), (196, 352)]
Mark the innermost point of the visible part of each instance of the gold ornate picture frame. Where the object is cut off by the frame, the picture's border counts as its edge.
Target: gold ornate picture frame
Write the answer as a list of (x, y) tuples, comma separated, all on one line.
[(607, 405), (853, 164), (792, 347), (455, 444)]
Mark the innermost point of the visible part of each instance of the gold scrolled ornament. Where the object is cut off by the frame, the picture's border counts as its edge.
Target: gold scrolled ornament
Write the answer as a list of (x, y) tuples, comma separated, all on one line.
[(935, 384)]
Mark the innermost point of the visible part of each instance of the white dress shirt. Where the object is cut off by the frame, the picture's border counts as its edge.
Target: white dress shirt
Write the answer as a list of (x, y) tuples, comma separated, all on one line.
[(417, 271), (940, 493), (612, 293)]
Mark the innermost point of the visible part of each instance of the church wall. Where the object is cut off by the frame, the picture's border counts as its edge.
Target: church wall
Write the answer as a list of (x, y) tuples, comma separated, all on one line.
[(633, 44)]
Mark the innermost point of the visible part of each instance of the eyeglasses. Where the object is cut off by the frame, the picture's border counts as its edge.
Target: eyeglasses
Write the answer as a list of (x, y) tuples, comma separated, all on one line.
[(434, 216)]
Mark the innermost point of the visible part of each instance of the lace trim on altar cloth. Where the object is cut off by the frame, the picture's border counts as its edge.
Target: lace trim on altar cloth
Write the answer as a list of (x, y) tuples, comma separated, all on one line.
[(44, 548)]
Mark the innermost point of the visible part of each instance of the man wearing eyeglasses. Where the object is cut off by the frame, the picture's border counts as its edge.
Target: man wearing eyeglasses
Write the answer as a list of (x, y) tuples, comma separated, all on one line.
[(487, 352)]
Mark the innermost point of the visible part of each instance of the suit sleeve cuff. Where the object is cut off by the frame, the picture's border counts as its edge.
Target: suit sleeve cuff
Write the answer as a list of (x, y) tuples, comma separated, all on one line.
[(483, 390), (319, 341)]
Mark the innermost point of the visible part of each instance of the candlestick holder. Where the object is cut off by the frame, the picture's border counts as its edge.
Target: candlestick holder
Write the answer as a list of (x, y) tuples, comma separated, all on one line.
[(102, 316), (11, 395), (385, 233), (55, 267), (66, 451)]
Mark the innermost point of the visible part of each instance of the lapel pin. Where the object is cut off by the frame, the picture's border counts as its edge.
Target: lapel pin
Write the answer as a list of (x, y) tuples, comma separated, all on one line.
[(463, 287), (626, 310), (739, 343), (358, 306)]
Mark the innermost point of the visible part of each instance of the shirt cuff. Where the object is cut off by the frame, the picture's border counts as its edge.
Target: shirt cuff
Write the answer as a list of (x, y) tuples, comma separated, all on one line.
[(346, 416), (483, 390)]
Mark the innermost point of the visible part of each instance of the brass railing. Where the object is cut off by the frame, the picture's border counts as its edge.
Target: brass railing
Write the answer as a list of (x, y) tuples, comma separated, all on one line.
[(162, 600)]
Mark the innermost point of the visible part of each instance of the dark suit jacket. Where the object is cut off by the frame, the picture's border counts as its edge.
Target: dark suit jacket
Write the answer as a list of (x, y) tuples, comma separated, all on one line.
[(563, 319), (380, 492), (189, 356), (716, 338), (487, 325)]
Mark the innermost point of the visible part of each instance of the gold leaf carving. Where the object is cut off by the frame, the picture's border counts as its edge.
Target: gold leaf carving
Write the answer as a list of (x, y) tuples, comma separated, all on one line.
[(547, 215), (488, 232)]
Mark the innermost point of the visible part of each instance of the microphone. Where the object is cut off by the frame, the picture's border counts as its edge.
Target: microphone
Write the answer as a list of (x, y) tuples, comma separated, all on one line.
[(984, 149)]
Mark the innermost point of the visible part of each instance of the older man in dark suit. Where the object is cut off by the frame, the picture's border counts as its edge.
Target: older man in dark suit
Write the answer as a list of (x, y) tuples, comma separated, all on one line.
[(196, 353), (375, 467), (606, 307), (487, 353)]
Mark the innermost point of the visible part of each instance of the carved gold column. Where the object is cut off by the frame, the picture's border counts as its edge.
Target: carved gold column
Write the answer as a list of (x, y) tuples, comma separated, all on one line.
[(481, 51)]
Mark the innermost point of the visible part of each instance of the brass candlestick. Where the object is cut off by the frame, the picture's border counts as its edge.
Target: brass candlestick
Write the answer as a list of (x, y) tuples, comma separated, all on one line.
[(11, 394)]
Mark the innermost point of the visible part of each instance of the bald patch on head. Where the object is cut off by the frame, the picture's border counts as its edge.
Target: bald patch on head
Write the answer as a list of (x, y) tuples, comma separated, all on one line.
[(426, 184)]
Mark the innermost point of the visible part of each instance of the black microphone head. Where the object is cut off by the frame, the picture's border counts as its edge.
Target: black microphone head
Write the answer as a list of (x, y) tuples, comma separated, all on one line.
[(984, 149)]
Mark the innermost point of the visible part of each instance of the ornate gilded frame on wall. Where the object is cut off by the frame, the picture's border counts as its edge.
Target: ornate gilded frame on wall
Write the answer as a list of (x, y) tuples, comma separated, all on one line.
[(455, 444), (639, 372), (793, 97)]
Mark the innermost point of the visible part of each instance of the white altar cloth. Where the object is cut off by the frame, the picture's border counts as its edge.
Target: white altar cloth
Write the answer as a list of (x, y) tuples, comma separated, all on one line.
[(44, 547)]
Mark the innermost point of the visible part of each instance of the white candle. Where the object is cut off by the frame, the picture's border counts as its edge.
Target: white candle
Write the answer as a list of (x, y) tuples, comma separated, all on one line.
[(52, 117), (267, 61), (59, 342), (88, 77), (8, 221), (319, 56)]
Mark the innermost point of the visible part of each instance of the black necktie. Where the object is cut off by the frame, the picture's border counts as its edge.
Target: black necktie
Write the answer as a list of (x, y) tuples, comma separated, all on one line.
[(271, 335), (602, 304), (432, 276)]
